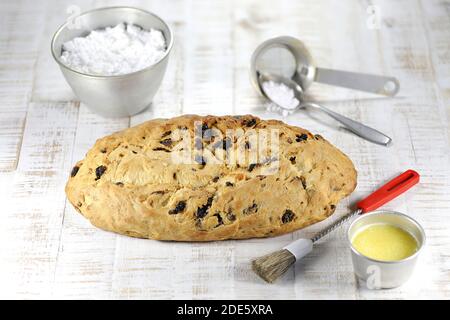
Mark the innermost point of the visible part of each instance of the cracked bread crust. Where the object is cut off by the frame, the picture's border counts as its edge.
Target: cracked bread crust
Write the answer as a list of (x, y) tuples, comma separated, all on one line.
[(128, 183)]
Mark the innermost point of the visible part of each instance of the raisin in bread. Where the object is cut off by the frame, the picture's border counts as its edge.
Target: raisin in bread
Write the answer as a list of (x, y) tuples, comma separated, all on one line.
[(131, 183)]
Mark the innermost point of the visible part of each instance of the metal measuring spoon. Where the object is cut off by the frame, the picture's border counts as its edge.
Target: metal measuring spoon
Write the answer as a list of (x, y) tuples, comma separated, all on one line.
[(356, 127), (306, 72)]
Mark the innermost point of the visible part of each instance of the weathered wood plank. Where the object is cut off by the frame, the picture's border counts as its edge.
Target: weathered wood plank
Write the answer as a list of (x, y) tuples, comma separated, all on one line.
[(405, 49), (49, 83), (35, 204), (208, 79), (86, 254), (20, 23)]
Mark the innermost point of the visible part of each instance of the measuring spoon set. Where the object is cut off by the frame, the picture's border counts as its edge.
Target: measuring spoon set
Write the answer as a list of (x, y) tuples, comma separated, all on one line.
[(304, 73)]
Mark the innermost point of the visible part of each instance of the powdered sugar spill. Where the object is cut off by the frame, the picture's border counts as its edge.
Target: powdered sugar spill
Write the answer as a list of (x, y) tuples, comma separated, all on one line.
[(283, 98), (117, 50), (272, 107)]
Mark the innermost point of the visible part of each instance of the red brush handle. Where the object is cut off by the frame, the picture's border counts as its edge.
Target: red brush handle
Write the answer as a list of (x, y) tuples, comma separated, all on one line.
[(389, 191)]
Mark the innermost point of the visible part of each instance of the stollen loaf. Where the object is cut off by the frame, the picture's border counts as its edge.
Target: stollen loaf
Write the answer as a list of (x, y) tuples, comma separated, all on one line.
[(203, 178)]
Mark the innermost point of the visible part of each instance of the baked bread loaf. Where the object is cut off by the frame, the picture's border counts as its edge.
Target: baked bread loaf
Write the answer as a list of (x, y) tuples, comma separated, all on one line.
[(194, 178)]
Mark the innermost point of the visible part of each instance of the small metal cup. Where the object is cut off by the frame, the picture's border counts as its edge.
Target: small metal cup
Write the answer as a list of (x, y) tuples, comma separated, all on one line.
[(303, 61), (385, 274), (119, 95)]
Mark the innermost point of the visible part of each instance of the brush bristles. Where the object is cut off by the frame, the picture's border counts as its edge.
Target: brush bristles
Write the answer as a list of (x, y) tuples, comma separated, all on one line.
[(271, 266)]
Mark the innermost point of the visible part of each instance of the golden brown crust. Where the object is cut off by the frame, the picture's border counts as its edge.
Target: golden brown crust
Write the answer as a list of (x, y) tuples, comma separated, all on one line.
[(128, 182)]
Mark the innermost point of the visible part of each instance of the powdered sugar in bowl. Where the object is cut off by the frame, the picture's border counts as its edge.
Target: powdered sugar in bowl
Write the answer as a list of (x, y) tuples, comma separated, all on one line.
[(119, 82)]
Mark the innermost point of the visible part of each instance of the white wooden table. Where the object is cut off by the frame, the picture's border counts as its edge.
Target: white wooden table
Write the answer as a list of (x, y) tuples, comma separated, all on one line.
[(48, 250)]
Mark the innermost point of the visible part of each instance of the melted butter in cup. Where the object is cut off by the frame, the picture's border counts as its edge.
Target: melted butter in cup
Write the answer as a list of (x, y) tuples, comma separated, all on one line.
[(384, 242), (384, 247)]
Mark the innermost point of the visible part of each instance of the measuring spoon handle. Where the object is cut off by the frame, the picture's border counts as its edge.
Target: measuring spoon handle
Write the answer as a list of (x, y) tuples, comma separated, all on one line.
[(356, 127), (388, 86)]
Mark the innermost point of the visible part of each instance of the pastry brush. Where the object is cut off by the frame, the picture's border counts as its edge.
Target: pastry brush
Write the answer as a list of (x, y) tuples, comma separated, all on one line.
[(273, 265)]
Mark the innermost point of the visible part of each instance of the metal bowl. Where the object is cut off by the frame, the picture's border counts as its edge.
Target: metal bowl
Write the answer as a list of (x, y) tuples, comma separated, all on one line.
[(119, 95), (385, 274)]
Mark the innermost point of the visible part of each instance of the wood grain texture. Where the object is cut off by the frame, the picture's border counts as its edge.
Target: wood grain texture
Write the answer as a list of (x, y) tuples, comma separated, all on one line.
[(47, 250)]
